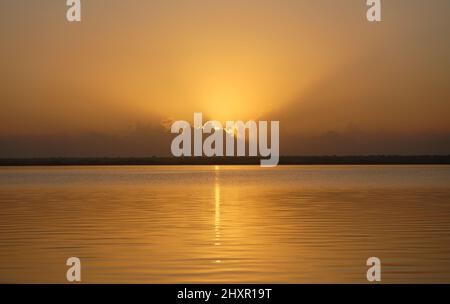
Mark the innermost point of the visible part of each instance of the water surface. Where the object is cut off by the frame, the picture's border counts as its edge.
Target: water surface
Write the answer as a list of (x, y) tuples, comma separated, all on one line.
[(237, 224)]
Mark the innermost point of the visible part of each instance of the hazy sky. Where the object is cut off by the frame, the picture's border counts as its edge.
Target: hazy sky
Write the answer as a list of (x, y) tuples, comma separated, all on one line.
[(317, 66)]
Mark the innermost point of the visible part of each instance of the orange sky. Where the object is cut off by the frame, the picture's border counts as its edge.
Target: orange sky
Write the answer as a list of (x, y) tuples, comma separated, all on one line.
[(317, 66)]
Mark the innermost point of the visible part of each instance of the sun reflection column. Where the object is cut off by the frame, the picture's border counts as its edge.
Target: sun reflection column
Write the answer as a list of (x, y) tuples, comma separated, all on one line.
[(217, 209)]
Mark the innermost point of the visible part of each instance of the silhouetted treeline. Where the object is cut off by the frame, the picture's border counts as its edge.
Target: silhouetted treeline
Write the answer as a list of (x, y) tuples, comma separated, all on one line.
[(284, 160)]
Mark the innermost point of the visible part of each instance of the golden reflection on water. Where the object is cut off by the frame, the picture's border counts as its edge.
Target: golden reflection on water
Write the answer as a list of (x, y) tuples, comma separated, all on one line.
[(234, 224), (217, 209)]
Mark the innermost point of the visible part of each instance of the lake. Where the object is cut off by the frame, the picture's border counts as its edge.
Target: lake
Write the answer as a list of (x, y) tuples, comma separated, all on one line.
[(225, 224)]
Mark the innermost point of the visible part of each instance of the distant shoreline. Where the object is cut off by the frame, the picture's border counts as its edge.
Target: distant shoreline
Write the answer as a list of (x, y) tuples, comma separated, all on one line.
[(284, 160)]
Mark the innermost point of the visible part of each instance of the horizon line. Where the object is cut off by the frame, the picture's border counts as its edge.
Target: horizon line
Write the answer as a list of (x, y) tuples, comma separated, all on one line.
[(379, 159)]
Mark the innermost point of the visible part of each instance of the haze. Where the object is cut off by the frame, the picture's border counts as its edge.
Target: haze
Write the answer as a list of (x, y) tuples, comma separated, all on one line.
[(108, 86)]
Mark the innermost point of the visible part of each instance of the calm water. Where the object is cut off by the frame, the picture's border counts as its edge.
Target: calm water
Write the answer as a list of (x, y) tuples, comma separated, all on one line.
[(236, 224)]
